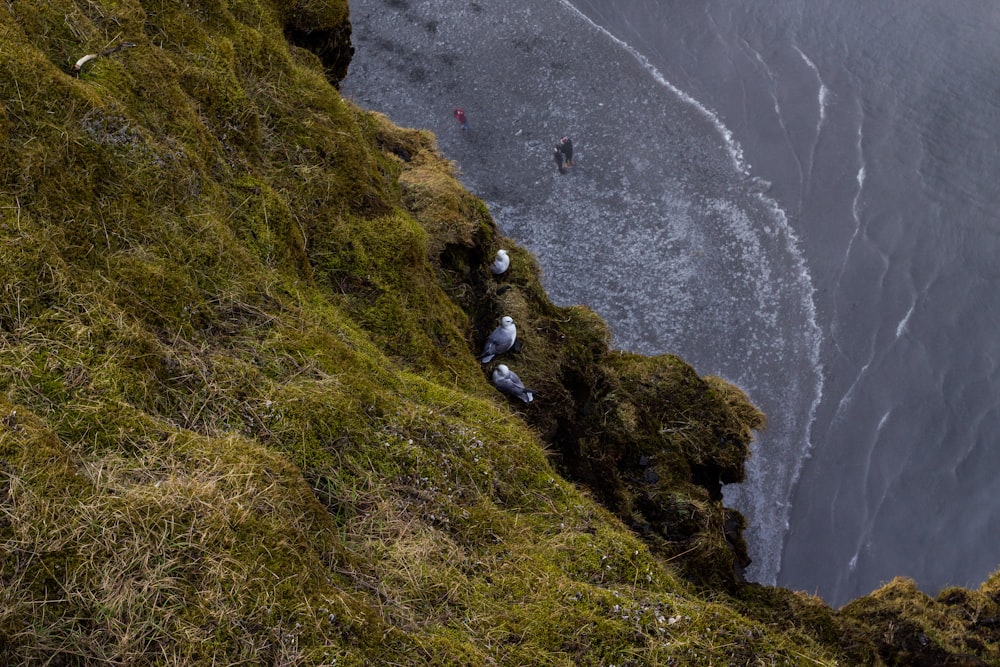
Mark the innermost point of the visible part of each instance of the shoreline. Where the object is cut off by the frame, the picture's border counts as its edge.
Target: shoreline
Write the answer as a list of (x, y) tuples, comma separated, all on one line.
[(659, 228)]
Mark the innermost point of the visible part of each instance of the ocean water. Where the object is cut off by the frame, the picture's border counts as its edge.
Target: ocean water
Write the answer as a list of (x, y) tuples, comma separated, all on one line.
[(797, 195), (876, 123)]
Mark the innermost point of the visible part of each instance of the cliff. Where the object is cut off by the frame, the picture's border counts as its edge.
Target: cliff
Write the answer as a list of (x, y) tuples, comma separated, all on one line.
[(242, 420)]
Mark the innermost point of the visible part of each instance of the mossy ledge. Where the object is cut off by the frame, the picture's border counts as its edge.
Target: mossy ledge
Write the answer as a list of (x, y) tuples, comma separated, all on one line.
[(241, 421)]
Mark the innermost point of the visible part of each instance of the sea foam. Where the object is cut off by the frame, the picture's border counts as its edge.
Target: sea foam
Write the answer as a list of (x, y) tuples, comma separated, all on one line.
[(769, 516)]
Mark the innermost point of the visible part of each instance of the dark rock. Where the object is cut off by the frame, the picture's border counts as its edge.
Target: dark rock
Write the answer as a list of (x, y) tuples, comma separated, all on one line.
[(323, 29)]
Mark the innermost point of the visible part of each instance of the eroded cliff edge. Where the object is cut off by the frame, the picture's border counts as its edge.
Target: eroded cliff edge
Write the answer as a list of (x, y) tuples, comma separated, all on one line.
[(242, 419)]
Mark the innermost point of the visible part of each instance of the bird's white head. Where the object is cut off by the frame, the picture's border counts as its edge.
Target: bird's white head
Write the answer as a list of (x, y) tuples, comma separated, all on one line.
[(506, 321), (503, 369)]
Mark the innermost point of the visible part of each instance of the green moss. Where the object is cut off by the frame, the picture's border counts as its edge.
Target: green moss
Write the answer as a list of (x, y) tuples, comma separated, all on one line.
[(909, 627)]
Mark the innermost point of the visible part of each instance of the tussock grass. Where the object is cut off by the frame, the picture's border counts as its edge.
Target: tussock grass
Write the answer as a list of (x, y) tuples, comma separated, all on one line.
[(122, 559), (912, 628)]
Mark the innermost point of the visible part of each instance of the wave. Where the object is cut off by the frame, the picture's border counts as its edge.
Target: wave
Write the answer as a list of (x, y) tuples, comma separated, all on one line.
[(733, 146), (763, 494)]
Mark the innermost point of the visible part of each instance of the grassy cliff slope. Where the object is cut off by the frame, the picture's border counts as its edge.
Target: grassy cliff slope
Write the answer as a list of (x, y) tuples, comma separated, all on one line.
[(241, 421)]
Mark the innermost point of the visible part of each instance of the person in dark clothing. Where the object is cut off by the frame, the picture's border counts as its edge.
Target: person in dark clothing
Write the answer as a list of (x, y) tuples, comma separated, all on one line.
[(557, 156), (566, 146), (459, 114)]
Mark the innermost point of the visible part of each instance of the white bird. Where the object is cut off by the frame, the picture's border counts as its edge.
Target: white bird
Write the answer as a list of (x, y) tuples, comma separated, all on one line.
[(501, 262), (508, 382), (500, 340)]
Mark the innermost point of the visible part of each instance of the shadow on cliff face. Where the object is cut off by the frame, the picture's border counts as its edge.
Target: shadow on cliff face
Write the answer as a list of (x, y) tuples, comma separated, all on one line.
[(324, 29), (656, 442)]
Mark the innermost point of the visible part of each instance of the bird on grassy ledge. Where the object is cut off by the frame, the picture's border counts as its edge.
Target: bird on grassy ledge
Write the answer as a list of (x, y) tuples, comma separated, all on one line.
[(501, 339), (500, 263), (509, 383)]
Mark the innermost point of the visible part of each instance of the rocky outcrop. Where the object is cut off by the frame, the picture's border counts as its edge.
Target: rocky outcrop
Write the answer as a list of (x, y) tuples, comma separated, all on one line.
[(323, 28)]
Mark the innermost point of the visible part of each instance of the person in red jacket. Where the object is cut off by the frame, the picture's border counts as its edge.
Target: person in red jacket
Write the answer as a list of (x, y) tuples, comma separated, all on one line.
[(459, 114)]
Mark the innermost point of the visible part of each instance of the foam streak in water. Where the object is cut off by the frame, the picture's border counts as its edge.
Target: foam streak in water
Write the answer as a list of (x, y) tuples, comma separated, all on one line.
[(856, 216), (861, 183), (903, 323), (848, 396), (822, 100), (773, 89), (824, 93)]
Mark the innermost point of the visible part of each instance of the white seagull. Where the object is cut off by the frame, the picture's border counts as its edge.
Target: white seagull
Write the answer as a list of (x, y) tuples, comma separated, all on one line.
[(501, 340), (501, 262), (507, 381)]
